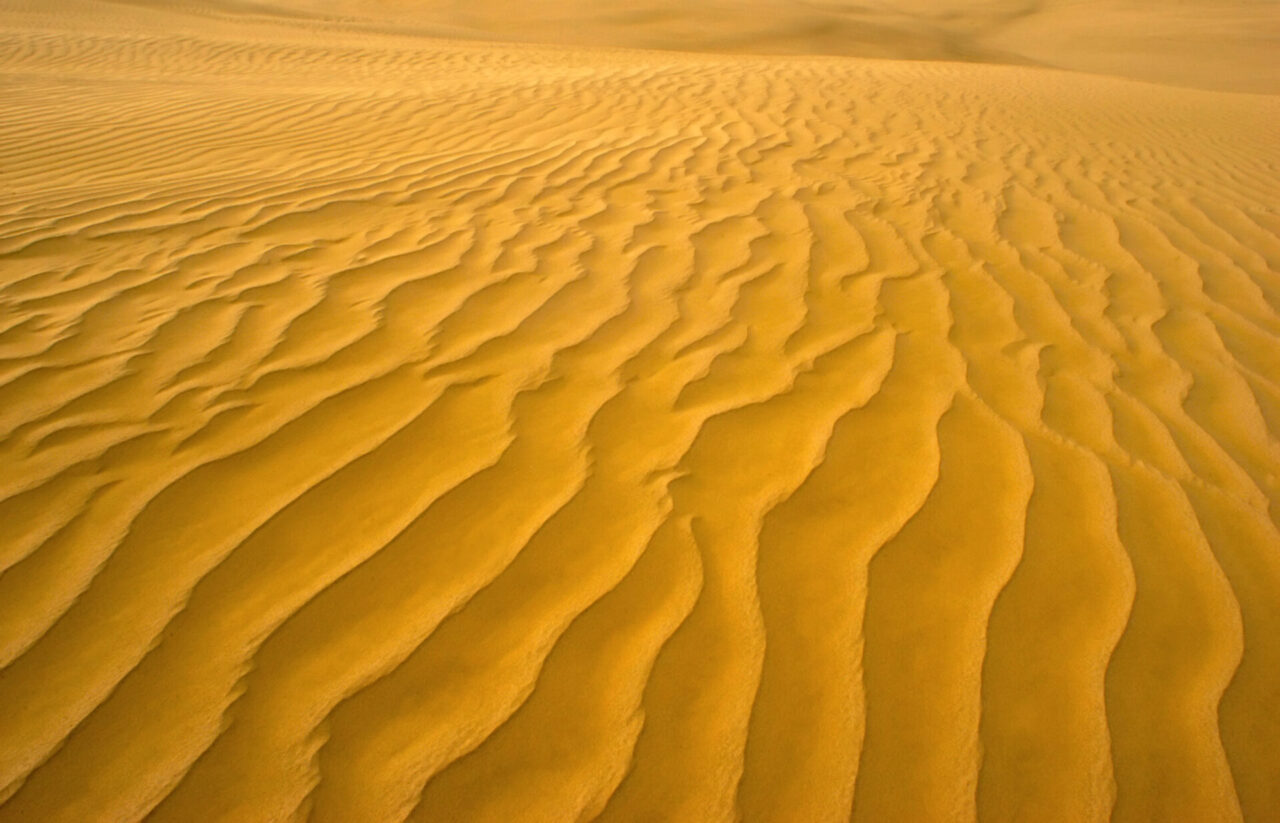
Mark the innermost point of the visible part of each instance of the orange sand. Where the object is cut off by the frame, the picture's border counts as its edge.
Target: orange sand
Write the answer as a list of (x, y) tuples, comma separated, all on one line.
[(397, 428)]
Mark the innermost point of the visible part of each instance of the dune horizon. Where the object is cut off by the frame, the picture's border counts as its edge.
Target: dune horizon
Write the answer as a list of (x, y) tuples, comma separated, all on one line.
[(1222, 45), (425, 410)]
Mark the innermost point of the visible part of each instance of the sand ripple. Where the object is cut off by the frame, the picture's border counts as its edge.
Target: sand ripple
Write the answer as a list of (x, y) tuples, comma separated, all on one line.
[(419, 431)]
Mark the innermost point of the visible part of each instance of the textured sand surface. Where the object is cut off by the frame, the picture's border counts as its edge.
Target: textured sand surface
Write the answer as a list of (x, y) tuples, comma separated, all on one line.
[(1220, 44), (408, 429)]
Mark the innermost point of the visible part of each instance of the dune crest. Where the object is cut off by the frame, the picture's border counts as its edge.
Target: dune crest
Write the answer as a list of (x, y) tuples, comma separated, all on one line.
[(406, 429)]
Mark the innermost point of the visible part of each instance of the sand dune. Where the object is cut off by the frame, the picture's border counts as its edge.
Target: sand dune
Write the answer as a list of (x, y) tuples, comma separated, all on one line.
[(1228, 45), (410, 429)]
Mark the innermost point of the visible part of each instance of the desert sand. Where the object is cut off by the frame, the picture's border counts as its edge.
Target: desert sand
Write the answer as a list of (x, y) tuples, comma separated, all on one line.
[(401, 422)]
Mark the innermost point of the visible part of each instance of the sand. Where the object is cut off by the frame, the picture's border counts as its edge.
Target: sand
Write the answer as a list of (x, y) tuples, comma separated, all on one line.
[(406, 427)]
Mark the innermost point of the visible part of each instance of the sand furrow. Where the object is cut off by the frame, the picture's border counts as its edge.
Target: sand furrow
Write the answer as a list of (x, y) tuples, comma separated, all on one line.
[(1044, 725), (1176, 655), (925, 622)]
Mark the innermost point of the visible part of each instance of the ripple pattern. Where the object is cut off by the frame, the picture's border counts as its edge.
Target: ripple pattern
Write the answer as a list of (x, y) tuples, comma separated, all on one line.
[(458, 432)]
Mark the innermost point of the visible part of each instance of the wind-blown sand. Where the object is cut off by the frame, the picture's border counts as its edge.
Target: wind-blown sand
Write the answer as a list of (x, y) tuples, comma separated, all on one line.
[(400, 428)]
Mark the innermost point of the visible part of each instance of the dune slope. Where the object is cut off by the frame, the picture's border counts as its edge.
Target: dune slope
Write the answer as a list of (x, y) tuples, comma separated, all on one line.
[(397, 429), (1227, 45)]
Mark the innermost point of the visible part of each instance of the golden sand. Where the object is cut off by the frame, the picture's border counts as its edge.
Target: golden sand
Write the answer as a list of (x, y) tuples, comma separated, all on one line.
[(404, 428)]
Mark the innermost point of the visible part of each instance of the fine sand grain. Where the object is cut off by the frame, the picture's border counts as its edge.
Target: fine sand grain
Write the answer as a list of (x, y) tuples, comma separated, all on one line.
[(396, 428)]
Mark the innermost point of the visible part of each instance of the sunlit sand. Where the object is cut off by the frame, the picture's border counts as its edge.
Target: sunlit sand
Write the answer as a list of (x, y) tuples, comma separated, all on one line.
[(553, 411)]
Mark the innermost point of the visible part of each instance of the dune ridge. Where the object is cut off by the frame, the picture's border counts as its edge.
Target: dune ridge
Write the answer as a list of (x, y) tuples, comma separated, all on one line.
[(397, 429)]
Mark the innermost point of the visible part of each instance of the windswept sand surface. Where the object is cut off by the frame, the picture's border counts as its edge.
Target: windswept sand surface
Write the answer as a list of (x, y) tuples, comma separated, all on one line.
[(407, 429), (1228, 45)]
